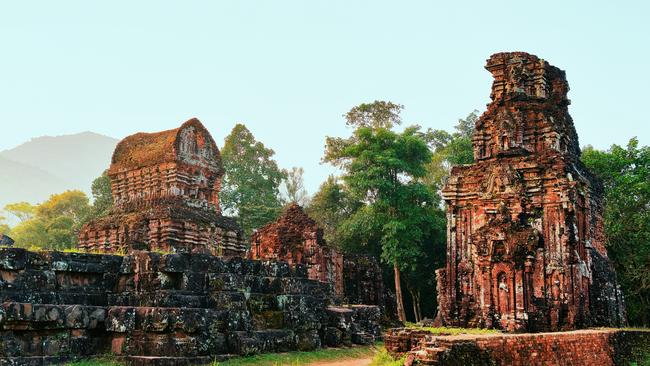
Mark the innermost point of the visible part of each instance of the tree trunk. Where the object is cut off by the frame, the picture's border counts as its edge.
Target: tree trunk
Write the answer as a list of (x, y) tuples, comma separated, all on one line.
[(414, 300), (401, 314), (419, 309)]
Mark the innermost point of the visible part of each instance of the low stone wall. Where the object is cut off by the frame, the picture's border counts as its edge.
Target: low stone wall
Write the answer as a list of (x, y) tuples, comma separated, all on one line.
[(158, 309), (581, 347)]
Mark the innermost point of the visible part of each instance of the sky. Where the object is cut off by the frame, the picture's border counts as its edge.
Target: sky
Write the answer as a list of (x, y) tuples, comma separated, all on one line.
[(289, 70)]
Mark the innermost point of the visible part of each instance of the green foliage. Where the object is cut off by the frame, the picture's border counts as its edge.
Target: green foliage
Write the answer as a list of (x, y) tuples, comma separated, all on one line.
[(303, 358), (383, 358), (453, 330), (382, 167), (382, 170), (251, 185), (102, 361), (330, 207), (4, 228), (294, 186), (625, 173), (55, 222), (22, 210), (449, 149), (378, 114), (102, 196)]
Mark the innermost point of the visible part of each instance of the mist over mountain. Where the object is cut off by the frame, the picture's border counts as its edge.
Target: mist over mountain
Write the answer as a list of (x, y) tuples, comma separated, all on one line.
[(46, 165)]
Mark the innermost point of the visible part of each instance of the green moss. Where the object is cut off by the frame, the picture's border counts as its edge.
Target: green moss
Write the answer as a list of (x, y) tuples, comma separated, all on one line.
[(273, 319), (452, 330)]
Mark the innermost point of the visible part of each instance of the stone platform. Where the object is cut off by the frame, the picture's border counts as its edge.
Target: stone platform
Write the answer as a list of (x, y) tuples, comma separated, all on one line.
[(601, 347), (165, 309)]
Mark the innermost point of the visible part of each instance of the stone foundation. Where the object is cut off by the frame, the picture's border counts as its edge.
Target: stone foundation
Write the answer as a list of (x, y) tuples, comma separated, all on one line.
[(165, 309), (601, 347)]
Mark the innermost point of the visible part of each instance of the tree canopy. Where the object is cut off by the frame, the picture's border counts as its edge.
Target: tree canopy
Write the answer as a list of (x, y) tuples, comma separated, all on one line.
[(625, 173), (382, 168), (251, 185), (55, 222)]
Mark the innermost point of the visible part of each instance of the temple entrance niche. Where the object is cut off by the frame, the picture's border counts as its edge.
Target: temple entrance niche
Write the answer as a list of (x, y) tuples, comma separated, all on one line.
[(503, 295)]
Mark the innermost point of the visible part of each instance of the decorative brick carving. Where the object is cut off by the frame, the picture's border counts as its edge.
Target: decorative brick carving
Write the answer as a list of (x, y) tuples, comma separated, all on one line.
[(296, 239), (165, 188), (525, 247)]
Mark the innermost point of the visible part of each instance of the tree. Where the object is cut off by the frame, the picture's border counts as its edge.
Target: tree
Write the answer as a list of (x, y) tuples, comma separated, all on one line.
[(22, 210), (625, 173), (383, 167), (251, 185), (330, 207), (449, 149), (4, 228), (55, 223), (102, 196), (378, 114), (295, 186)]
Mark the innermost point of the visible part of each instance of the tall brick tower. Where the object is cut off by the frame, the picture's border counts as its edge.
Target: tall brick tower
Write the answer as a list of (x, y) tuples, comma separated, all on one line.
[(165, 188), (525, 247)]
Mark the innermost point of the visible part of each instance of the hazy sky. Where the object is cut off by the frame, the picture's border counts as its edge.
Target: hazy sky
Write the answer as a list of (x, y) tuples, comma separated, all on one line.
[(290, 69)]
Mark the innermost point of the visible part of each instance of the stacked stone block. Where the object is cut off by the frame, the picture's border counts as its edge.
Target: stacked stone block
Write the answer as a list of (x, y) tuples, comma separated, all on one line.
[(154, 309)]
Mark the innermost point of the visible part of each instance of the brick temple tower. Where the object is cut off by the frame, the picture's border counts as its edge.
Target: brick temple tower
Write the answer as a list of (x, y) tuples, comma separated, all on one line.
[(525, 247), (165, 188)]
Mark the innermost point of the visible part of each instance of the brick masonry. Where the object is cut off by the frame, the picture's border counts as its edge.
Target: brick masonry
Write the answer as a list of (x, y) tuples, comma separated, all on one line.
[(525, 242), (601, 347), (296, 238), (165, 188), (165, 309)]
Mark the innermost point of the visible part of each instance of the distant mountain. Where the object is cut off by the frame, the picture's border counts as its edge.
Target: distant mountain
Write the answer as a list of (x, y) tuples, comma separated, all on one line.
[(45, 165)]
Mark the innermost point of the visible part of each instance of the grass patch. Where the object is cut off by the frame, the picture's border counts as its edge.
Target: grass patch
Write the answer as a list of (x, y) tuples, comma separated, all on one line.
[(382, 358), (453, 330), (303, 358), (273, 359), (102, 361), (644, 360)]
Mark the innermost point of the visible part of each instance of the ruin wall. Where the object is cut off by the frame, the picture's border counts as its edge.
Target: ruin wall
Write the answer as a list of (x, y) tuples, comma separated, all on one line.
[(156, 309), (602, 347)]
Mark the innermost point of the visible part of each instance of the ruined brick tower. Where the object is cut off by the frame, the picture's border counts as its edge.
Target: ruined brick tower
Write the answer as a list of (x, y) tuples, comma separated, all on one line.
[(525, 247), (165, 188)]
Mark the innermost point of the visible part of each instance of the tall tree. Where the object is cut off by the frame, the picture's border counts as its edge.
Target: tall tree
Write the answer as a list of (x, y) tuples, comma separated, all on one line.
[(294, 186), (625, 173), (383, 167), (251, 185)]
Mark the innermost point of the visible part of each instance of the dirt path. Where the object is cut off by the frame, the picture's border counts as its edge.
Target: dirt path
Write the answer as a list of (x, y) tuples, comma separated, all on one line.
[(348, 362)]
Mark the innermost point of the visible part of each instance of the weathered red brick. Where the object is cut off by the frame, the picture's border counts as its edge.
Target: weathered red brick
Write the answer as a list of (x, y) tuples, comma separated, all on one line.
[(525, 246)]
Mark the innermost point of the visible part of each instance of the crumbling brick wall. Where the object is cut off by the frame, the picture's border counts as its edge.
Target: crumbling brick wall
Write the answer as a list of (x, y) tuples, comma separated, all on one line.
[(525, 243), (297, 239), (582, 347), (149, 308)]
